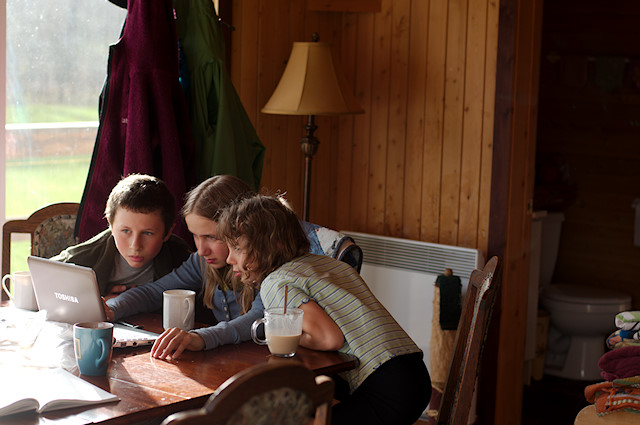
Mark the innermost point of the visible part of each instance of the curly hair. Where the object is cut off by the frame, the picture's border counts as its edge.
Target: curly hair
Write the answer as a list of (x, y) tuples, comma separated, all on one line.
[(272, 232)]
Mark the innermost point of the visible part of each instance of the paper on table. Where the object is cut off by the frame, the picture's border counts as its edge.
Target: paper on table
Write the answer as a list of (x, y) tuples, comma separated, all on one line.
[(44, 390), (28, 340)]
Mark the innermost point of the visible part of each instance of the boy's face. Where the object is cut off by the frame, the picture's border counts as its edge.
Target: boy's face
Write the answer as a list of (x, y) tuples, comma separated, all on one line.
[(241, 261), (138, 236), (211, 249)]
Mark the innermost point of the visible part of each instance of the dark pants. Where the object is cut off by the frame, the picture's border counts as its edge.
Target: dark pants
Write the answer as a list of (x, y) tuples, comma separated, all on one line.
[(394, 394)]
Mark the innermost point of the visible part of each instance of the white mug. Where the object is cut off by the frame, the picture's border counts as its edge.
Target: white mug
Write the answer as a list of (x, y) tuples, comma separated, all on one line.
[(23, 295), (178, 309)]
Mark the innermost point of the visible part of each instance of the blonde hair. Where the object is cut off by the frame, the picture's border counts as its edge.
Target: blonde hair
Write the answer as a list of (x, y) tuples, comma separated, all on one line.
[(207, 200)]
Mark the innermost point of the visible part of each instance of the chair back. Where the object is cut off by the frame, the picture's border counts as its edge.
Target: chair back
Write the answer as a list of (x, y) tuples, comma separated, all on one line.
[(50, 230), (470, 337), (333, 244), (280, 392)]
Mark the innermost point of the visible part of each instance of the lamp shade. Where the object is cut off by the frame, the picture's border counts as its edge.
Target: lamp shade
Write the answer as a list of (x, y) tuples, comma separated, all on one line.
[(312, 84)]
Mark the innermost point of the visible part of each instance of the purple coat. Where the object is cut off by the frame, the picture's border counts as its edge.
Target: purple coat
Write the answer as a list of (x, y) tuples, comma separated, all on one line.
[(144, 123)]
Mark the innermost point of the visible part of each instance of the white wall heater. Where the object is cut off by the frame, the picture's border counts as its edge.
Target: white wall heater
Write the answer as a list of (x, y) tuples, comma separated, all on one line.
[(401, 274)]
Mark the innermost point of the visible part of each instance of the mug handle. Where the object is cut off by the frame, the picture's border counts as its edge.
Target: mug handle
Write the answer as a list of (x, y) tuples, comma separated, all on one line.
[(105, 345), (189, 303), (254, 332), (5, 287)]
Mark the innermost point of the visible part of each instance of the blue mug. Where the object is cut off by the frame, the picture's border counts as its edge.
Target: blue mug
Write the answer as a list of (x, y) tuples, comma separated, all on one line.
[(92, 344)]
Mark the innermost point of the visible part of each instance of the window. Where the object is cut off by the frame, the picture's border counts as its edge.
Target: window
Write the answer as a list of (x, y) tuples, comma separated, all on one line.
[(56, 63)]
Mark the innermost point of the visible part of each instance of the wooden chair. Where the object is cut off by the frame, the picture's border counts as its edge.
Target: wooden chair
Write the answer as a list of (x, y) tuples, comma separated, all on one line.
[(281, 392), (334, 244), (50, 228), (482, 290)]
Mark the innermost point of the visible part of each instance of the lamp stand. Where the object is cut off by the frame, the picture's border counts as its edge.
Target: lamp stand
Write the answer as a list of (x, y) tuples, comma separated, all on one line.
[(309, 146)]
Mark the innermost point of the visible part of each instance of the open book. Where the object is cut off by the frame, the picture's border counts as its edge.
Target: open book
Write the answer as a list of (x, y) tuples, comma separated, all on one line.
[(44, 390)]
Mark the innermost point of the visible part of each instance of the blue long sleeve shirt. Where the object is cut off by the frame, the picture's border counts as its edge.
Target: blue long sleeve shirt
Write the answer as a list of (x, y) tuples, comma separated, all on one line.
[(232, 327)]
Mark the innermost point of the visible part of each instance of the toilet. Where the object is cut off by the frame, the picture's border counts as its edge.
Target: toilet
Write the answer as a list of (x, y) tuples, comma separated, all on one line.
[(581, 319), (581, 316)]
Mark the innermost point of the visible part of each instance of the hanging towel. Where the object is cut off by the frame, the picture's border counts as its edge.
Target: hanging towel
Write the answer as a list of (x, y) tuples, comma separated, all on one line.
[(610, 72), (450, 300), (446, 315), (143, 119), (440, 349), (225, 139)]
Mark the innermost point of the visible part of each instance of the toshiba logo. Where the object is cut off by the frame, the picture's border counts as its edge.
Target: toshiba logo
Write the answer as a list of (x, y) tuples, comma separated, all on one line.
[(65, 297)]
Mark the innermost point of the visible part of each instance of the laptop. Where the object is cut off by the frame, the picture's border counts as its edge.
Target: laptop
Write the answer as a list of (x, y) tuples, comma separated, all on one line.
[(69, 293)]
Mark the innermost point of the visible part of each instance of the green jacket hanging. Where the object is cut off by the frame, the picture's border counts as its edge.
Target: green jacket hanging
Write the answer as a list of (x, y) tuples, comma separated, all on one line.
[(225, 139)]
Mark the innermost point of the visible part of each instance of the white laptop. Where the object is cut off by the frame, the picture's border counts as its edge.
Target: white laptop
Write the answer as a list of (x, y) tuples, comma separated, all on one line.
[(69, 293)]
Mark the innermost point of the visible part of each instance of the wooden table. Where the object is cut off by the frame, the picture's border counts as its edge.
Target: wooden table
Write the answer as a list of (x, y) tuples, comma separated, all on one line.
[(150, 388)]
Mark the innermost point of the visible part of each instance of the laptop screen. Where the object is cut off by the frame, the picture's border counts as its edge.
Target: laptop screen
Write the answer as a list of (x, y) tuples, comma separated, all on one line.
[(69, 293)]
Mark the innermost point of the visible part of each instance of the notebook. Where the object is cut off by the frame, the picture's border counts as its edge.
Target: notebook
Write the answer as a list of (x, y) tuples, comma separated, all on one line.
[(69, 293)]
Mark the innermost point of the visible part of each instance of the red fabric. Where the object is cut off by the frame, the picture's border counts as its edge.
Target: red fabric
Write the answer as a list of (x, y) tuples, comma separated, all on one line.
[(144, 122), (622, 362)]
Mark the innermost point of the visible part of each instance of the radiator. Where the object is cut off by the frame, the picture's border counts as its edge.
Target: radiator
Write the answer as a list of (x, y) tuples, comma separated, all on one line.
[(401, 274)]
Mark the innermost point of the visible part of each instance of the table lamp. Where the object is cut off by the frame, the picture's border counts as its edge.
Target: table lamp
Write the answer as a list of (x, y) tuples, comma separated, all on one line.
[(311, 85)]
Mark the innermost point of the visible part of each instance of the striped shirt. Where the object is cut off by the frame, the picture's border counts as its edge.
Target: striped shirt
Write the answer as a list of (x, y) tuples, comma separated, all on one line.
[(371, 334)]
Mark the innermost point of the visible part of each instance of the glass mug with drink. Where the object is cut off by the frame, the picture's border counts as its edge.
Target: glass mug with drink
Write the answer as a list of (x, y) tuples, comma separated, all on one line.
[(282, 330)]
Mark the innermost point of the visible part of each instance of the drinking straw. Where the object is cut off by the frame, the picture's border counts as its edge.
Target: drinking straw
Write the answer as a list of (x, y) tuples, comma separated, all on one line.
[(286, 289)]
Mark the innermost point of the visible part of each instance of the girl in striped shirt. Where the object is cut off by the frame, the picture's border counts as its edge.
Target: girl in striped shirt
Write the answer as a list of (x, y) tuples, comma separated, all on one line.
[(268, 249)]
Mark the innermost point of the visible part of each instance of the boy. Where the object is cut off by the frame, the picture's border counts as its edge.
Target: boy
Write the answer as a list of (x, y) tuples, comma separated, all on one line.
[(138, 246)]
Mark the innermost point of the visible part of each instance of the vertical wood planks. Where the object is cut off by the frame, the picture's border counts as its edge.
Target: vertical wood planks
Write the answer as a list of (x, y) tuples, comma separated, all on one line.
[(362, 124), (453, 117), (416, 104), (396, 147), (417, 163), (341, 208), (432, 168), (379, 119), (486, 160), (472, 122)]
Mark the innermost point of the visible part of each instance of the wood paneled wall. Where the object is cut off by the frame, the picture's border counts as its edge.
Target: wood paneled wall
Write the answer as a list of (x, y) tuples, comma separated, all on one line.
[(420, 163), (417, 164)]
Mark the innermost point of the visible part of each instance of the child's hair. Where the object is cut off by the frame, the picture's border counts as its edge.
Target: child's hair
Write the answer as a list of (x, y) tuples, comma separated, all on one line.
[(272, 231), (141, 193), (207, 200)]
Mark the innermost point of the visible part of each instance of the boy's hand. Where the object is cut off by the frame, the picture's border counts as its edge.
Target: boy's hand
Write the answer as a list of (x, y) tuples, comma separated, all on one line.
[(174, 341), (117, 290), (108, 312)]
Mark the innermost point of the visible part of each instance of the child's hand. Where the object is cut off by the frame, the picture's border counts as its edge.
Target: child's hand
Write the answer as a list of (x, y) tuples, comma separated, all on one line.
[(108, 312), (117, 290), (174, 341)]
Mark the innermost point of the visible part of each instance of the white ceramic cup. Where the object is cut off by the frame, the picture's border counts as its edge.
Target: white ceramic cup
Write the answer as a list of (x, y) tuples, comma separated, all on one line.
[(282, 330), (23, 295), (178, 309)]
